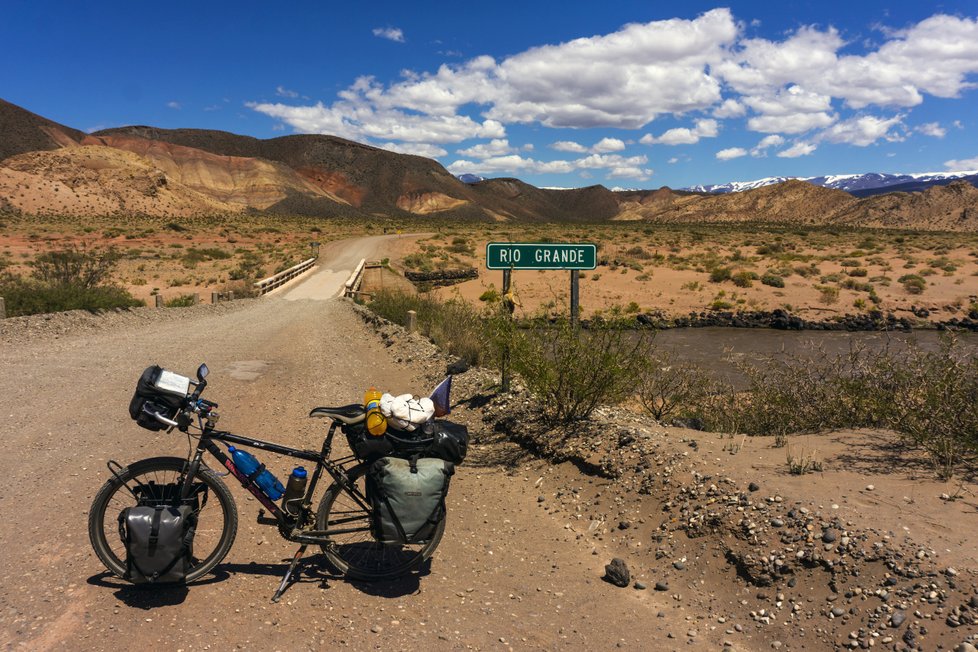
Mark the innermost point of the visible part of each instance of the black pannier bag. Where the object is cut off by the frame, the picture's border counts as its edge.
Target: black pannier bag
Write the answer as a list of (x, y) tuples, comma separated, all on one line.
[(450, 442), (159, 391), (442, 439), (408, 498), (158, 534)]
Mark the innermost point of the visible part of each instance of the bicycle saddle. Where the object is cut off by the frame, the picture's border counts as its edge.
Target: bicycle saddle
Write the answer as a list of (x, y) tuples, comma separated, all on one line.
[(348, 414)]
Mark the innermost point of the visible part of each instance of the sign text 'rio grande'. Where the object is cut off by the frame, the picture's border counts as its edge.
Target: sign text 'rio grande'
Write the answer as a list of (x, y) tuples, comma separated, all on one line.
[(541, 255)]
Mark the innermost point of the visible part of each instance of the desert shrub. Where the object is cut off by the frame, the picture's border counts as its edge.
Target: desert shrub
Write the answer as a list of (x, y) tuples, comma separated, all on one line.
[(720, 274), (182, 301), (744, 279), (670, 388), (773, 280), (572, 370), (490, 296), (807, 271), (638, 252), (935, 406), (858, 271), (913, 283), (827, 294), (453, 325), (250, 268), (926, 396), (768, 249), (70, 279)]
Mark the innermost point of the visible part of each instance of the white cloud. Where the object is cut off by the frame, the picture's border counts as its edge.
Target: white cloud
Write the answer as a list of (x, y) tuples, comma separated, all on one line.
[(174, 105), (278, 127), (606, 145), (623, 79), (730, 108), (631, 172), (359, 120), (790, 124), (804, 81), (673, 160), (390, 33), (932, 129), (212, 107), (962, 165), (495, 147), (730, 153), (798, 149), (957, 124), (569, 146), (617, 166), (863, 130), (282, 91), (760, 149), (510, 163), (684, 135), (418, 149), (601, 161)]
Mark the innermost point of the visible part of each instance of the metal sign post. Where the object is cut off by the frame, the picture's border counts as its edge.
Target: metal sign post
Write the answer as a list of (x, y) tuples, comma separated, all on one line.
[(508, 256)]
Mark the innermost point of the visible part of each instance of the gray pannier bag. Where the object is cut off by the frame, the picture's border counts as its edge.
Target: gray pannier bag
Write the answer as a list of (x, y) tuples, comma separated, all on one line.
[(408, 497), (158, 536)]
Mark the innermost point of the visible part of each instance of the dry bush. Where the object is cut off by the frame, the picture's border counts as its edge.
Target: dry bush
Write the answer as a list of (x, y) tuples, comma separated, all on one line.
[(670, 388)]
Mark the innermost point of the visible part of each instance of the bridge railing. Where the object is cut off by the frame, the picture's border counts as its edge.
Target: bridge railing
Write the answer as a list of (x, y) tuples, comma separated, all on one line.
[(266, 285)]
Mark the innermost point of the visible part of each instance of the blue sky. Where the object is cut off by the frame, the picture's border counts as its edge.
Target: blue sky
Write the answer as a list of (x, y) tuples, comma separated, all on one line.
[(627, 94)]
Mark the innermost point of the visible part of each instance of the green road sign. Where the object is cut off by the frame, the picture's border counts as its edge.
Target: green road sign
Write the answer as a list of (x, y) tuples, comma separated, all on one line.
[(541, 255)]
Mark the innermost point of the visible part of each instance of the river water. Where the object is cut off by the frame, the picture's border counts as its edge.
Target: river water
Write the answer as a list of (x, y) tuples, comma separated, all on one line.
[(720, 350)]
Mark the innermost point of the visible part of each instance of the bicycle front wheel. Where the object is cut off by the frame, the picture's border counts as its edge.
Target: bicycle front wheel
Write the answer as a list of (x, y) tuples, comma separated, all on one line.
[(354, 552), (217, 518)]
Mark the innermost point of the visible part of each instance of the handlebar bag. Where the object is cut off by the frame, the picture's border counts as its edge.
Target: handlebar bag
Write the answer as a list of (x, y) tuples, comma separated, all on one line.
[(157, 390), (159, 542), (408, 498)]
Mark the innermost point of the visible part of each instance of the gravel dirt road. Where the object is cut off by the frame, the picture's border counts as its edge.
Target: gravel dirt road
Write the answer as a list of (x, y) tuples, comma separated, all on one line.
[(507, 574)]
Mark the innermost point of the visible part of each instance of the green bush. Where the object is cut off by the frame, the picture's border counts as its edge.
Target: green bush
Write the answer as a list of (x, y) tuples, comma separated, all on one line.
[(720, 274), (453, 325), (744, 279), (572, 370), (773, 280), (71, 279), (182, 301), (669, 388), (913, 283)]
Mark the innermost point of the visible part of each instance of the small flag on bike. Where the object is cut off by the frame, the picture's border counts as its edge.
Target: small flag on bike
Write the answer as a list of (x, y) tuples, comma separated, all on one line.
[(440, 398)]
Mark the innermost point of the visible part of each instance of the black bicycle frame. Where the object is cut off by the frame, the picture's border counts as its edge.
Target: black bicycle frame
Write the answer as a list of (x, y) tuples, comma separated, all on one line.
[(286, 522)]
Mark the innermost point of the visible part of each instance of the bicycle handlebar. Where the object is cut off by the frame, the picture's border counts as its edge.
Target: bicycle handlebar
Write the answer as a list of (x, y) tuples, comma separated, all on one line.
[(159, 417)]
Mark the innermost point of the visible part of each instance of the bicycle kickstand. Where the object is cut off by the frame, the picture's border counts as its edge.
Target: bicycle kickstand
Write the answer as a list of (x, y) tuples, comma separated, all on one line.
[(288, 574)]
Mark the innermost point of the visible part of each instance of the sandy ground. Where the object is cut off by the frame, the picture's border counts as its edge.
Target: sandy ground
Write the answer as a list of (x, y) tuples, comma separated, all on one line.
[(504, 575)]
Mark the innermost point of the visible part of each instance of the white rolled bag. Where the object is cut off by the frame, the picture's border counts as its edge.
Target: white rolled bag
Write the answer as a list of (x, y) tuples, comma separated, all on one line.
[(406, 412)]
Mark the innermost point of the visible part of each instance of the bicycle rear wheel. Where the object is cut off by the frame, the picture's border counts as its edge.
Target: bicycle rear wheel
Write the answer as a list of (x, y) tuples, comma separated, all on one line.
[(217, 518), (356, 554)]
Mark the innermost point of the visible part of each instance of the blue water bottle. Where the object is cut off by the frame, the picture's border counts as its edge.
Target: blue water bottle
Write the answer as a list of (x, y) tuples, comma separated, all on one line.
[(248, 464)]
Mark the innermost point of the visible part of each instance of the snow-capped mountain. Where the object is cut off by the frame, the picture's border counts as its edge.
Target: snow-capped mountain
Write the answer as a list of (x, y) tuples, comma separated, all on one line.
[(860, 185)]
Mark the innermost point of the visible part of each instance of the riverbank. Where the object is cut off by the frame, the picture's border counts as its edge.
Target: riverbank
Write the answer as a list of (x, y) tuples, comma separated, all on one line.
[(722, 538)]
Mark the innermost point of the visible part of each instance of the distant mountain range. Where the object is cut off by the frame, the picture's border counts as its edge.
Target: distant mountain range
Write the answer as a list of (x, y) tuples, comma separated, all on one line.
[(50, 169), (858, 185)]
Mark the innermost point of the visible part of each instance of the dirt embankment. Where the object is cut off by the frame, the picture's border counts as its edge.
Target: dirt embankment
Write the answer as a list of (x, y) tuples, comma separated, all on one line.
[(857, 555)]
